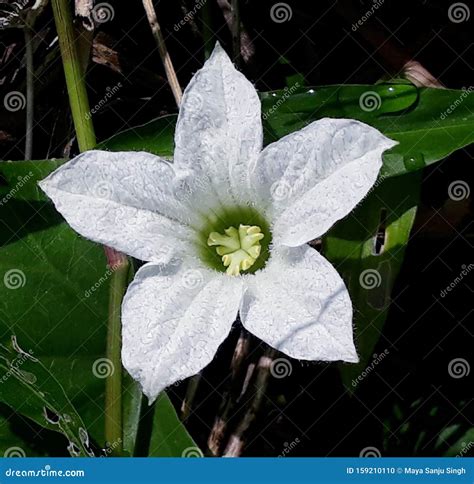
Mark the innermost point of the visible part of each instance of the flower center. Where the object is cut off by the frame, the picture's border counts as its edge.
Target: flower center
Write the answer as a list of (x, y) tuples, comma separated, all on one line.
[(239, 248)]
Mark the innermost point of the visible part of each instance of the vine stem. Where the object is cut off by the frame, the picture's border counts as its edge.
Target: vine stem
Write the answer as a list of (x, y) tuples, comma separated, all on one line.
[(73, 71), (117, 262), (119, 265)]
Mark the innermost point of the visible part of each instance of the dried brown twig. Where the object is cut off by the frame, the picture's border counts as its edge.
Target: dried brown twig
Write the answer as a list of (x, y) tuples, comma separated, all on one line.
[(237, 439), (236, 386), (164, 54)]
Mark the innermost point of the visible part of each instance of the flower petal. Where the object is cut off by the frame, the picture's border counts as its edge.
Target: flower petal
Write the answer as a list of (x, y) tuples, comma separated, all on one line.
[(317, 175), (174, 319), (219, 128), (299, 305), (127, 200)]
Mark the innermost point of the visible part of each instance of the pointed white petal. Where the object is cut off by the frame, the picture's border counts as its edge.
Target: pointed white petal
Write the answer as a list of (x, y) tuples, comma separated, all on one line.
[(174, 319), (219, 129), (130, 201), (299, 305), (316, 176)]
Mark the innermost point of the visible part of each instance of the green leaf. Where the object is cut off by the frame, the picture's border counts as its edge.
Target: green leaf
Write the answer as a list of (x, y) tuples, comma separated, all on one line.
[(429, 123), (29, 387), (169, 438), (156, 136), (132, 403), (46, 270), (12, 442), (384, 218)]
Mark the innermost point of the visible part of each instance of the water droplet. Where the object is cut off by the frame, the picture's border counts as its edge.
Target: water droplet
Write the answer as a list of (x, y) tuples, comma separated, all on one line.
[(414, 162)]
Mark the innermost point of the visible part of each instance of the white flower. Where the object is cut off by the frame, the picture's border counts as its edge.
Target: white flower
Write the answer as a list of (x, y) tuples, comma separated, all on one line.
[(224, 229)]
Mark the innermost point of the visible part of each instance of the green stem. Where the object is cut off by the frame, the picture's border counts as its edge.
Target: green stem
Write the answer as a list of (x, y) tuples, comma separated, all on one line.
[(113, 384), (118, 263), (74, 73)]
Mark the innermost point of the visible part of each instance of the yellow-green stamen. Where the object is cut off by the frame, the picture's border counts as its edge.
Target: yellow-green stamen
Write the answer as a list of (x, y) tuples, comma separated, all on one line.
[(239, 248)]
